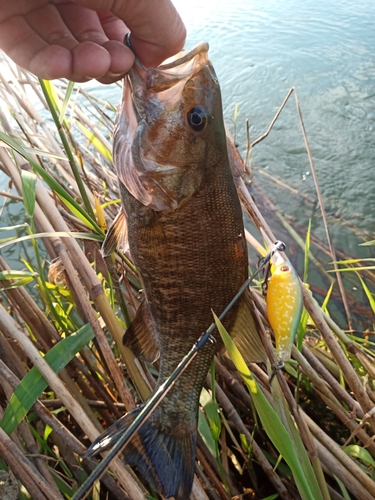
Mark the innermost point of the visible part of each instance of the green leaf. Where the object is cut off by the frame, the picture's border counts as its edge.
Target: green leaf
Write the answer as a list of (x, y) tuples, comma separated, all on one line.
[(28, 191), (57, 234), (12, 228), (307, 253), (33, 383), (18, 283), (362, 454), (212, 411), (8, 275), (344, 491), (351, 269), (205, 432), (269, 418), (54, 185), (68, 93), (369, 295), (96, 142), (368, 243)]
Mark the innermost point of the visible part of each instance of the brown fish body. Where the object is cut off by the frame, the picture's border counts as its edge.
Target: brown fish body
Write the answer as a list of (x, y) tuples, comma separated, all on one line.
[(186, 238)]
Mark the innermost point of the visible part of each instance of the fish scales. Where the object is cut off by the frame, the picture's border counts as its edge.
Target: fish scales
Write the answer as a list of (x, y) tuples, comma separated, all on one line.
[(186, 238)]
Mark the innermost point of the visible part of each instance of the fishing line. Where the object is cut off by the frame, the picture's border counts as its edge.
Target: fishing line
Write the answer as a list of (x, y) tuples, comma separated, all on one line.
[(163, 390)]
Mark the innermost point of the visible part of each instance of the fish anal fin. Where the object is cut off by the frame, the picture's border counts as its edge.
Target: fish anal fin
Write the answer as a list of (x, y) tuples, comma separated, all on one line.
[(245, 333), (141, 336), (163, 454), (117, 235)]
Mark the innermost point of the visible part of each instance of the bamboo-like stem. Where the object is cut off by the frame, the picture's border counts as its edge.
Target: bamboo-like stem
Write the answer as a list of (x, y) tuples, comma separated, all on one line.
[(232, 414), (64, 434), (68, 151), (281, 384), (334, 468), (25, 470), (350, 375), (7, 324), (340, 455), (314, 311), (94, 288), (84, 269)]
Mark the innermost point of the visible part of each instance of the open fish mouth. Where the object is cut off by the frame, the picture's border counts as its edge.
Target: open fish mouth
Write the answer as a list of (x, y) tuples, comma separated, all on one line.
[(163, 80), (163, 112)]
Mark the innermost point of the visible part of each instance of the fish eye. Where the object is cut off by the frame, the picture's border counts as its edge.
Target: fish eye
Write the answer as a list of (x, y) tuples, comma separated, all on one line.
[(197, 118)]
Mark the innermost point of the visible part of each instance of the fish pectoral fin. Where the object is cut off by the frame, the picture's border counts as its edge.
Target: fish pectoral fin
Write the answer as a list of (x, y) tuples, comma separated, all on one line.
[(117, 235), (164, 455), (245, 333), (141, 336)]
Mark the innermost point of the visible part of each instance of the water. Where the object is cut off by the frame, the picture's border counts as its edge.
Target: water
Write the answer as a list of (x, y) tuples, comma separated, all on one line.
[(324, 48)]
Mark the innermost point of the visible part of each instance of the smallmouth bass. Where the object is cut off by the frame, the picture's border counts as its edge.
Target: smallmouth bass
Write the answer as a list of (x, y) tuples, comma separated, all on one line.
[(184, 224)]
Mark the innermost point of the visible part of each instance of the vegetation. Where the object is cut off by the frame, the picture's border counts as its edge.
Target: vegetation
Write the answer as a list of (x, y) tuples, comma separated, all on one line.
[(65, 375)]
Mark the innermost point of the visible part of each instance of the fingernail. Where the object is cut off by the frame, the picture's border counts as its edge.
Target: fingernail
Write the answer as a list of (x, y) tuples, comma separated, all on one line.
[(114, 75)]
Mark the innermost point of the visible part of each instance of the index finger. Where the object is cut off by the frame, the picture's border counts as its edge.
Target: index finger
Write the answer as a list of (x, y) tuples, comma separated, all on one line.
[(158, 31)]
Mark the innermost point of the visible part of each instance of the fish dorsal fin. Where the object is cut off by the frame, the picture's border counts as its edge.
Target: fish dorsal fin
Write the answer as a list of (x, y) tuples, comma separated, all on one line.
[(245, 333), (141, 336), (117, 235)]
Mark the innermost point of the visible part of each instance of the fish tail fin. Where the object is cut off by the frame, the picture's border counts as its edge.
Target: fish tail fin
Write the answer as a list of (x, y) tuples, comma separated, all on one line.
[(163, 452)]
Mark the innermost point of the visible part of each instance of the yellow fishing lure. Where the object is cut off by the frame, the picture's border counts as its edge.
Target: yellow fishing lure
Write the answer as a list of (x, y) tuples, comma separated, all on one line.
[(284, 305)]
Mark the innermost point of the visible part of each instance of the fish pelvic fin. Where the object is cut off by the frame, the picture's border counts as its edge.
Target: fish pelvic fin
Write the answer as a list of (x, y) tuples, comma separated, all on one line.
[(245, 333), (117, 235), (164, 455), (141, 336)]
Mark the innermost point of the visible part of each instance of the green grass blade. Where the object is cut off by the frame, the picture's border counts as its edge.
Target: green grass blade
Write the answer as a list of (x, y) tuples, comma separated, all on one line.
[(12, 228), (33, 383), (360, 453), (68, 94), (28, 180), (11, 274), (103, 150), (269, 418), (55, 186), (369, 295), (205, 432), (53, 105), (58, 234), (351, 269), (16, 284), (307, 253)]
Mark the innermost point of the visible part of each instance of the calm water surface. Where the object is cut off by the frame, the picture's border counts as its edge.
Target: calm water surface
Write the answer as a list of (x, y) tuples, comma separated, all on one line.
[(324, 48)]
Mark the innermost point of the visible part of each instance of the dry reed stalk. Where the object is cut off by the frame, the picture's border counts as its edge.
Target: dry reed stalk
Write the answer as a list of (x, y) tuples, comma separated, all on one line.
[(85, 271), (337, 389), (25, 471), (340, 455), (94, 287), (312, 308), (349, 422), (349, 373), (8, 325), (334, 468), (59, 429), (212, 476), (304, 432), (232, 414)]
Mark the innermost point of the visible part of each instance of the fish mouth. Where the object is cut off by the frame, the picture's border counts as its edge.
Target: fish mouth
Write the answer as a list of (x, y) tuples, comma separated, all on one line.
[(142, 82)]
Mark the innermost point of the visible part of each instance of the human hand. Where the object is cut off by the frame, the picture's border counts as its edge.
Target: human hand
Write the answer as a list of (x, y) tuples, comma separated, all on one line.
[(83, 39)]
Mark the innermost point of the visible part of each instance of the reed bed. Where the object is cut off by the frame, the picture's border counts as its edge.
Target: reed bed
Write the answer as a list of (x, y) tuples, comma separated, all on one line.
[(65, 375)]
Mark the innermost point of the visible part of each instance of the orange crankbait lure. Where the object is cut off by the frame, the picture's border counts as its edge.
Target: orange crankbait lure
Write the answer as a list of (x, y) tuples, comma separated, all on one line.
[(284, 305)]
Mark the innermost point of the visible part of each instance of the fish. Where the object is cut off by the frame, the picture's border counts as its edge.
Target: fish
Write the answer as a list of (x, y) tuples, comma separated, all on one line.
[(182, 221)]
